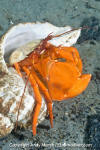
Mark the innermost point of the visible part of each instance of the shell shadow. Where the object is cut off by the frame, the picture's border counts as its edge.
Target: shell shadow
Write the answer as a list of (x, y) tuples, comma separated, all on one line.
[(92, 132)]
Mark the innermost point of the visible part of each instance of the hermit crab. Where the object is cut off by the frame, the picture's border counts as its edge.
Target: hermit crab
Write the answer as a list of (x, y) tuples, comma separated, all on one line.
[(53, 68)]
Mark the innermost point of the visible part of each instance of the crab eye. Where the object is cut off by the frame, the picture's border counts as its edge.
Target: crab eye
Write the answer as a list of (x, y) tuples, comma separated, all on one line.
[(60, 60)]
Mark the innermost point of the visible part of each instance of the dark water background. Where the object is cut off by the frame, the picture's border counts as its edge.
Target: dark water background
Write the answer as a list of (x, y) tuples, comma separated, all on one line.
[(77, 120)]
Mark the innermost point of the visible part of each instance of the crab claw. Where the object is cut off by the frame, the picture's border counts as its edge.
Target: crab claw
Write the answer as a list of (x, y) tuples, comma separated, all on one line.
[(69, 81), (80, 85)]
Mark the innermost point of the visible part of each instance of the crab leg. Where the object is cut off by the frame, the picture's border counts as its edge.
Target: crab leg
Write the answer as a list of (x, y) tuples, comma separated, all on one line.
[(71, 55), (17, 67), (38, 99), (46, 95)]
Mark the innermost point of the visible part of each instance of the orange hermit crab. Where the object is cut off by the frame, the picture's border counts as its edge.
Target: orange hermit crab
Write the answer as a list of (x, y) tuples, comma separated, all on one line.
[(56, 72)]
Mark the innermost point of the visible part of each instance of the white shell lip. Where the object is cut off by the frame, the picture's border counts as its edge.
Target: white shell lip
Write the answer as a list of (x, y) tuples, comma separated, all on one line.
[(23, 33)]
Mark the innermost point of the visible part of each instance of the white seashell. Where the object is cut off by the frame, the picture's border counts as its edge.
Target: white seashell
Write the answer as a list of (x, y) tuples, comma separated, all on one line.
[(21, 52), (40, 31), (6, 125), (22, 37)]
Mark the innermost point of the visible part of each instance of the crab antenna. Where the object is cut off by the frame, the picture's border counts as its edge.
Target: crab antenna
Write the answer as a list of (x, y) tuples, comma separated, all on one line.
[(21, 102), (82, 28)]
